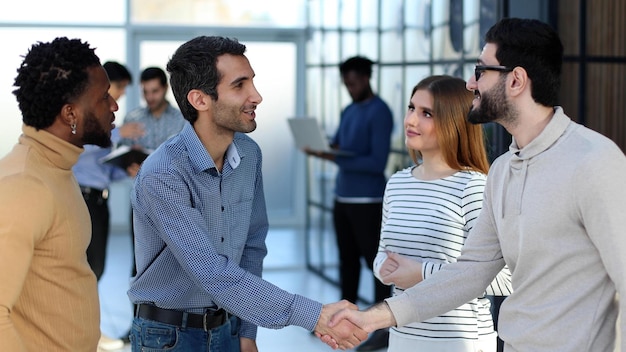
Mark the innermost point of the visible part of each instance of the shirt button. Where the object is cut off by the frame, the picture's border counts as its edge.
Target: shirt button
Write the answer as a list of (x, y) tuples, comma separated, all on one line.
[(222, 239)]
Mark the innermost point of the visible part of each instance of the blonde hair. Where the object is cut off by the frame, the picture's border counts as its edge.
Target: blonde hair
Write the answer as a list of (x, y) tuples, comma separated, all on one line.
[(462, 143)]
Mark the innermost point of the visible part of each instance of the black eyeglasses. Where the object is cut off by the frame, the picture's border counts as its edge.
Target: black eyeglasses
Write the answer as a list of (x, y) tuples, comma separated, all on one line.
[(479, 69)]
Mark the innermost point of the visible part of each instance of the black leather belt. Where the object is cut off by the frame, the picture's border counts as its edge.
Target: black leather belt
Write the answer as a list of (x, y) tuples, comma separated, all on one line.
[(207, 321), (89, 192)]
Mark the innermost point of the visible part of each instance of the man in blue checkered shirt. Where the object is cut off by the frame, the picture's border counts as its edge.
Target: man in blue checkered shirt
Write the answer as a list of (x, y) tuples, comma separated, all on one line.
[(200, 220)]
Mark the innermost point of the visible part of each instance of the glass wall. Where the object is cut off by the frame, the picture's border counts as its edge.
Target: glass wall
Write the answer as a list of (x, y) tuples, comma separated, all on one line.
[(64, 12), (594, 73), (409, 40), (240, 13)]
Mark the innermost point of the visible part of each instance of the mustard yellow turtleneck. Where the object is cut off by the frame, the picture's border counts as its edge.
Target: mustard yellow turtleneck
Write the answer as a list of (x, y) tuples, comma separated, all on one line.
[(48, 293)]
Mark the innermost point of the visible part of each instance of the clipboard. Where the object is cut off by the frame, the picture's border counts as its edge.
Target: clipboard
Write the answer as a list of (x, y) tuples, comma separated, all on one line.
[(124, 155), (307, 133)]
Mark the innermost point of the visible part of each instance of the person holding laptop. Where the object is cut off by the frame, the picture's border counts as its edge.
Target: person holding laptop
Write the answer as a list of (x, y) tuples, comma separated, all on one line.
[(365, 130)]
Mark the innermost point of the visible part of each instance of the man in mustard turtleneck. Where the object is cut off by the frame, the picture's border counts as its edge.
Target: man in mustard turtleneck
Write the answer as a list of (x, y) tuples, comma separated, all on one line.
[(48, 293)]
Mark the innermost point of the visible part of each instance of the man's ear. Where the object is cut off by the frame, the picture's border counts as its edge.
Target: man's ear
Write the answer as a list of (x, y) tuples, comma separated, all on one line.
[(519, 82), (199, 100), (68, 114)]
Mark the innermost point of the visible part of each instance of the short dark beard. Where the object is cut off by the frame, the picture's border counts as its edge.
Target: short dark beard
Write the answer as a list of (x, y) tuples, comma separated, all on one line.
[(94, 134), (494, 107)]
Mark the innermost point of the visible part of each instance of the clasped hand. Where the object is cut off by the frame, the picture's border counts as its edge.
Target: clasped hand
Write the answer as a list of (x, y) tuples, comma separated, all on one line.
[(376, 317), (400, 270), (344, 334), (346, 326)]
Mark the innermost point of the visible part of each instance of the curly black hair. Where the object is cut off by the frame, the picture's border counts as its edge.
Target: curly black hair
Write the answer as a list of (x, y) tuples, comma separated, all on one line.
[(52, 75)]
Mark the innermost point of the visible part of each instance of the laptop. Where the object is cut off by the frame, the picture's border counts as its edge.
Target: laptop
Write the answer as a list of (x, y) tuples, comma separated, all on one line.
[(307, 133)]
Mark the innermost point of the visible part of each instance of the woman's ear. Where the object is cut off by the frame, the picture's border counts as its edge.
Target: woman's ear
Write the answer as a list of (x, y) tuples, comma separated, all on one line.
[(199, 100)]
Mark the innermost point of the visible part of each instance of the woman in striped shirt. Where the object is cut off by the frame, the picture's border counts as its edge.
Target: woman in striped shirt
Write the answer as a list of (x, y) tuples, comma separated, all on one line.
[(428, 211)]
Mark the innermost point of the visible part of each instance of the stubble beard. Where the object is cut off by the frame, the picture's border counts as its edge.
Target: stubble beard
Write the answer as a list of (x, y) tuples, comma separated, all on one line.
[(230, 118)]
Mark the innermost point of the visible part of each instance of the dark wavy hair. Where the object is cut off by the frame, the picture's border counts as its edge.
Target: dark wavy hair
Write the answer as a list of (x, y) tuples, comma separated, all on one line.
[(194, 66), (52, 75), (534, 46), (151, 73)]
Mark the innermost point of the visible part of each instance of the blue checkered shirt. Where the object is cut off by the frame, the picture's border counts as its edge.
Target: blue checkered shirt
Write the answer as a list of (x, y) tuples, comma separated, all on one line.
[(200, 236)]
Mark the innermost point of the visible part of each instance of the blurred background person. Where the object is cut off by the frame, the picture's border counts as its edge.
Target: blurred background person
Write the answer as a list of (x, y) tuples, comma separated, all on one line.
[(159, 120), (365, 131)]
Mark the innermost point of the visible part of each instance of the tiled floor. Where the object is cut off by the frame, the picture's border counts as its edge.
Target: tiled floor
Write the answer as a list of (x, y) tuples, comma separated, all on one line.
[(285, 267)]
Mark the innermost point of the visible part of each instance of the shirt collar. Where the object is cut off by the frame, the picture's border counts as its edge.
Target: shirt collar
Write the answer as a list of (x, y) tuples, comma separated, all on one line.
[(200, 158), (550, 134), (232, 156)]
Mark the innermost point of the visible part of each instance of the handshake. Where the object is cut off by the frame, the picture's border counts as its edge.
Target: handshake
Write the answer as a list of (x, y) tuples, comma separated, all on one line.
[(341, 325)]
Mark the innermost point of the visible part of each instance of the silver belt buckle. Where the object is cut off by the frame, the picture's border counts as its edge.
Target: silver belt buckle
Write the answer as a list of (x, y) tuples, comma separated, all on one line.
[(211, 313)]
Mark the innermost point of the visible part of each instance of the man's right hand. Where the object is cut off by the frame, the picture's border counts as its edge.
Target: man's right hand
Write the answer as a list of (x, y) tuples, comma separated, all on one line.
[(343, 334), (376, 317)]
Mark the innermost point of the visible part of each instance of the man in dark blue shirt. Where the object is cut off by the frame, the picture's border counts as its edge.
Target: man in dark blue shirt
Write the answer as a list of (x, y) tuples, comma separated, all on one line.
[(364, 131)]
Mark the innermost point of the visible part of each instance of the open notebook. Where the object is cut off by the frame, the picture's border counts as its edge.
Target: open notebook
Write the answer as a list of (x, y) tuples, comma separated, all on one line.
[(124, 155), (307, 132)]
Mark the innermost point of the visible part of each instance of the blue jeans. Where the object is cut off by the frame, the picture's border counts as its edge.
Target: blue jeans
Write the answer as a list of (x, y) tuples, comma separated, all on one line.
[(152, 336)]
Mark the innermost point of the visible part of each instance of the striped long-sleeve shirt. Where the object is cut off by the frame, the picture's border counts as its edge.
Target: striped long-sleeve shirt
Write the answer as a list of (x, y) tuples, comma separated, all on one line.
[(429, 221)]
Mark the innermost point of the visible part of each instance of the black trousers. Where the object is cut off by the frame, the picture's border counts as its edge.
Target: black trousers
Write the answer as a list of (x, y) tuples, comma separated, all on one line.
[(99, 213), (496, 302), (357, 229)]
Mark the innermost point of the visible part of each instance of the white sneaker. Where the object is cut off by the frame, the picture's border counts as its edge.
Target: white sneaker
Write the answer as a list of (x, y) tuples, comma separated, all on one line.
[(109, 344)]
